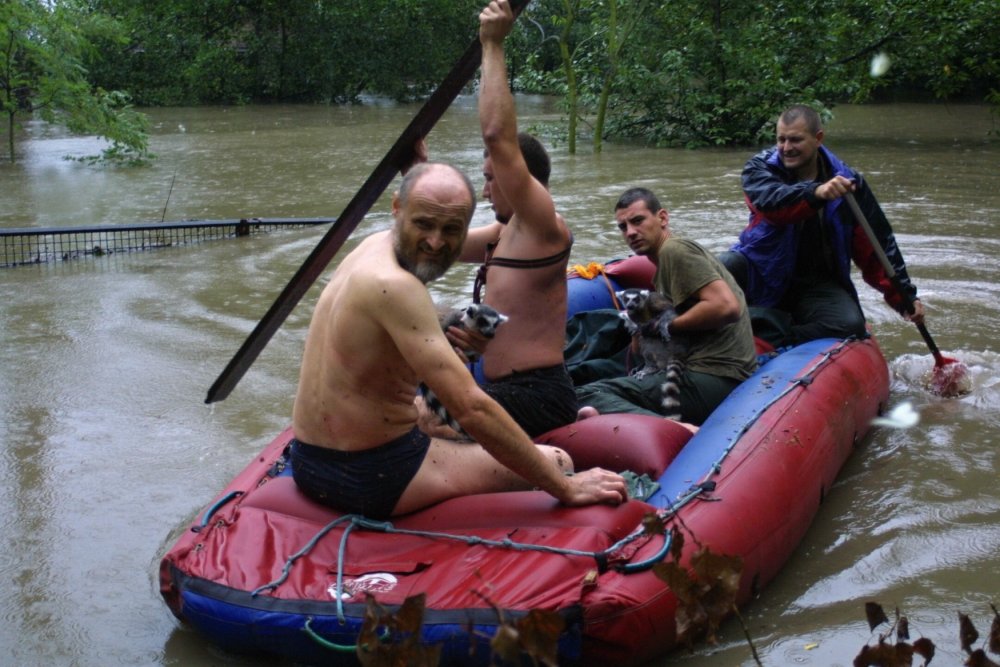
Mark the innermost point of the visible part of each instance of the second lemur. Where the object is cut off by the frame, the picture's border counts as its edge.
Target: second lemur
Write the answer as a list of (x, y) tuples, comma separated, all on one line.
[(647, 316)]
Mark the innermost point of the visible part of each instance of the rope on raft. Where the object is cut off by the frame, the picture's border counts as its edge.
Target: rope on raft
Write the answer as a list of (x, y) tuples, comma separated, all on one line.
[(600, 557), (591, 271), (359, 521)]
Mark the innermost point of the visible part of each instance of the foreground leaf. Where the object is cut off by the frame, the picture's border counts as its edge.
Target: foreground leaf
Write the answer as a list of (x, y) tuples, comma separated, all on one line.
[(875, 614), (978, 659), (539, 635), (995, 632), (967, 633), (925, 647), (404, 646), (706, 598)]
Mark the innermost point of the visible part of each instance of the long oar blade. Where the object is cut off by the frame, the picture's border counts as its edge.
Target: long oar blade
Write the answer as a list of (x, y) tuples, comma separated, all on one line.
[(950, 376), (398, 157)]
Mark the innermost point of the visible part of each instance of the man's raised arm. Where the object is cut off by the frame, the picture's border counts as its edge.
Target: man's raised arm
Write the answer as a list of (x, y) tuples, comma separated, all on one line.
[(529, 198)]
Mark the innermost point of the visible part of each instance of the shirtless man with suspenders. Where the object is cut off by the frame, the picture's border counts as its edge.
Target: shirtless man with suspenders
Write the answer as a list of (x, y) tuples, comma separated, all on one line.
[(525, 254)]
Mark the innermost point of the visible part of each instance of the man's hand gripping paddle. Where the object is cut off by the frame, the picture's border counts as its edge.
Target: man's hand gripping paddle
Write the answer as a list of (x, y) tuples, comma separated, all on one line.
[(950, 377)]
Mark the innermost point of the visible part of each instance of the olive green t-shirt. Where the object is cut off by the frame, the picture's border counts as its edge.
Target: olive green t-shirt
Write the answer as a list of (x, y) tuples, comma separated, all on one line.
[(684, 268)]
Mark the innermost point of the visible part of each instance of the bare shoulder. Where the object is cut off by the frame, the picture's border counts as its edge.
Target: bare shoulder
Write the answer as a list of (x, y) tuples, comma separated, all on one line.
[(538, 235)]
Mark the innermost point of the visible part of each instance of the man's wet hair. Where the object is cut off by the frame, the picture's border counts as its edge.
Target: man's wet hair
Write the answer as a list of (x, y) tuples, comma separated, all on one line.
[(793, 113), (535, 156), (632, 195)]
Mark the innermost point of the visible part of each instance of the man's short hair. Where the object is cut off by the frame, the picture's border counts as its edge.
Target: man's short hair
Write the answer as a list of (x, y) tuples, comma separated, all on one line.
[(417, 172), (632, 195), (536, 157), (793, 113)]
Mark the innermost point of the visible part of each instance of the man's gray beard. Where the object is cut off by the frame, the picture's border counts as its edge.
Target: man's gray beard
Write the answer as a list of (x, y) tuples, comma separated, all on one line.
[(425, 272)]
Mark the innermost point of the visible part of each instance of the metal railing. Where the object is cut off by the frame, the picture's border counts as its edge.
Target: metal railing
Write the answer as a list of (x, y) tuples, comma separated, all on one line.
[(37, 245)]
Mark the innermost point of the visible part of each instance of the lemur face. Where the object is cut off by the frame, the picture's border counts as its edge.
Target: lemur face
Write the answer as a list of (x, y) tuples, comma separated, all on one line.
[(482, 318), (633, 300)]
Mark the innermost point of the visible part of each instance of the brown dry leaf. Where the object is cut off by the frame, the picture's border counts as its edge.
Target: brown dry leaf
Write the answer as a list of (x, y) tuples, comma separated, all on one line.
[(994, 642), (925, 647), (679, 581), (539, 635), (368, 641), (721, 572), (707, 597), (720, 577), (978, 658), (904, 653), (967, 632), (880, 655), (410, 616), (653, 524), (875, 614), (404, 627), (690, 618), (690, 621), (505, 644), (676, 544), (902, 627)]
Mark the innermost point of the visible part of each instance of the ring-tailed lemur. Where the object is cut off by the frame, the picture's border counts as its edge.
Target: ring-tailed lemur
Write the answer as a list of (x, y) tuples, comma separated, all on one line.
[(647, 315), (475, 317)]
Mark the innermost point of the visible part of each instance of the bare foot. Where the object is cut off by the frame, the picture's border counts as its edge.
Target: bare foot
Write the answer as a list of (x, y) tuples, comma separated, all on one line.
[(586, 412)]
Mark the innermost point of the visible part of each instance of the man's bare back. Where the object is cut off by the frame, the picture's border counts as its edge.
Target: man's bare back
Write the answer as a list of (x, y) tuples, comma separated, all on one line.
[(370, 376), (534, 298)]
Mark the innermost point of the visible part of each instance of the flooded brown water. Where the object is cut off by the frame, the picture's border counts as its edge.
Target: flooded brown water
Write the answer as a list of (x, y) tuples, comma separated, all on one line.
[(108, 448)]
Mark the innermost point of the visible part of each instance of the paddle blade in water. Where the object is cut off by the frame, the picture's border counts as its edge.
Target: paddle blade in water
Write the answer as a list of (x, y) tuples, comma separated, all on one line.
[(950, 379)]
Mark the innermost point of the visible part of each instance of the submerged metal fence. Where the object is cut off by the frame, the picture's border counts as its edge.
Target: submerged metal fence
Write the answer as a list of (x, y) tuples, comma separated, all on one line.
[(37, 245)]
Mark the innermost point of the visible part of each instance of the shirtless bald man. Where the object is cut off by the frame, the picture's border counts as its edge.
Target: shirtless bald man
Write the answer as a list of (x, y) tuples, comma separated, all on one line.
[(374, 336)]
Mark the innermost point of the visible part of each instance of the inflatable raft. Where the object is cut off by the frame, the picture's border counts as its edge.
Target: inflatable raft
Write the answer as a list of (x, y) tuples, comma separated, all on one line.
[(264, 569)]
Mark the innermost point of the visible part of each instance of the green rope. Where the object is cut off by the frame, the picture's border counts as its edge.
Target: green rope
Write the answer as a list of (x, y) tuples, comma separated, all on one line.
[(326, 643)]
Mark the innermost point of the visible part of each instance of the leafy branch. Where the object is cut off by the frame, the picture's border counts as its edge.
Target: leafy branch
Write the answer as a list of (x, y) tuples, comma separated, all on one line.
[(899, 653)]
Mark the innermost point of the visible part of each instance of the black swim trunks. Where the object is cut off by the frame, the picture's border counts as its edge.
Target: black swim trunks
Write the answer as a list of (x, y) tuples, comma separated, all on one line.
[(368, 482), (539, 400)]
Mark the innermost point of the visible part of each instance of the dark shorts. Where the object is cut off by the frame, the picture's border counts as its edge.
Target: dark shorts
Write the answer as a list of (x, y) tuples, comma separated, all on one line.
[(539, 400), (368, 482)]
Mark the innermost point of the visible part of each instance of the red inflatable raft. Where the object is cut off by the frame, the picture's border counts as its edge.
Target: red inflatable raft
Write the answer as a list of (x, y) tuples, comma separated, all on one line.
[(264, 569)]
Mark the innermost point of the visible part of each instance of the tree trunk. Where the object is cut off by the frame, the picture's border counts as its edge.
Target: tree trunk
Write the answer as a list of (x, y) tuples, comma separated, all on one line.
[(10, 133), (572, 100)]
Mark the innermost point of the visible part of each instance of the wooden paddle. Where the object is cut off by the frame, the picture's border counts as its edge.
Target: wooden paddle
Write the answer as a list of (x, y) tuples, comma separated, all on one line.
[(399, 156), (949, 374)]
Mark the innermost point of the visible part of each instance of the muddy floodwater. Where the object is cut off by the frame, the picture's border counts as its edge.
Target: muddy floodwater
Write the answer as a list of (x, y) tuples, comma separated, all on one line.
[(108, 448)]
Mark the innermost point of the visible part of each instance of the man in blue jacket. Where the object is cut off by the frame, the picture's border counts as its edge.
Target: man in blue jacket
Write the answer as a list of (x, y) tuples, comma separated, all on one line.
[(795, 255)]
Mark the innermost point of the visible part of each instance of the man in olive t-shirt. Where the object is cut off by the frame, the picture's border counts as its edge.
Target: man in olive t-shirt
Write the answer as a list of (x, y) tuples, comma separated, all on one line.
[(711, 312)]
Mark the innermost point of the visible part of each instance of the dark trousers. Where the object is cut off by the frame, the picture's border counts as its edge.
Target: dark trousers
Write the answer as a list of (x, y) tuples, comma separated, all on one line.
[(700, 394), (807, 312)]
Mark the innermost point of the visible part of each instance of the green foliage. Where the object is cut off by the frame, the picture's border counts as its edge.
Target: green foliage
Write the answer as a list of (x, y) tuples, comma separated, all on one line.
[(110, 115), (683, 73), (708, 72), (42, 73), (228, 51)]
